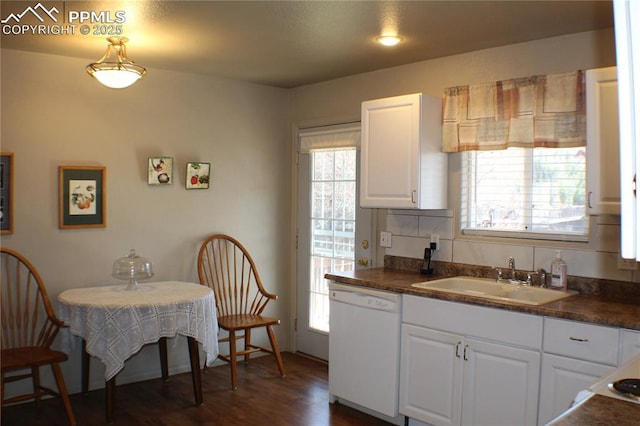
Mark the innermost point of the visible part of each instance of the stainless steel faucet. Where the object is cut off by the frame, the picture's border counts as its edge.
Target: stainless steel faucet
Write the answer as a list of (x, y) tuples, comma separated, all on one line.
[(512, 267)]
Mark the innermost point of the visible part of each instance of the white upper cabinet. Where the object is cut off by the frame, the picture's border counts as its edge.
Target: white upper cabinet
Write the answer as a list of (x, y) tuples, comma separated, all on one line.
[(402, 163), (603, 159)]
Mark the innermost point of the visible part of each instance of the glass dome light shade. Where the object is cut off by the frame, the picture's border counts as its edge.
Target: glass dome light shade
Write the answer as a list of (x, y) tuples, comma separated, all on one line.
[(132, 268), (116, 75), (114, 69)]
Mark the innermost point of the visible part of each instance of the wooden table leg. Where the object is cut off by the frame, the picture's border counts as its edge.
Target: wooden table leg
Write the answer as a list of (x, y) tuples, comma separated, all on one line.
[(86, 363), (164, 365), (110, 388), (194, 358)]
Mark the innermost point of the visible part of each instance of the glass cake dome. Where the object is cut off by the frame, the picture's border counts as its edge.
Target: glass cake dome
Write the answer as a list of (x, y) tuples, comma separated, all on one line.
[(132, 268)]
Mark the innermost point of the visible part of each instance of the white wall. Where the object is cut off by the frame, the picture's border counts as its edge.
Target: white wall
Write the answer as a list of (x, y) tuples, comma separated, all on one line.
[(54, 114), (339, 101)]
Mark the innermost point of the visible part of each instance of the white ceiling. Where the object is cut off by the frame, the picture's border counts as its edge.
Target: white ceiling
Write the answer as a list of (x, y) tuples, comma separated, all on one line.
[(293, 43)]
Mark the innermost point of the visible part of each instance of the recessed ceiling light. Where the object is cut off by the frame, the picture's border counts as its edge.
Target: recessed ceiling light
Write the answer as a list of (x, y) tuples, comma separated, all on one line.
[(389, 40)]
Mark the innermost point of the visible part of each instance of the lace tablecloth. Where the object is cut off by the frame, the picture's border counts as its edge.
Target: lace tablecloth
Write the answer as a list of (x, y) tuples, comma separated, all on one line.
[(116, 323)]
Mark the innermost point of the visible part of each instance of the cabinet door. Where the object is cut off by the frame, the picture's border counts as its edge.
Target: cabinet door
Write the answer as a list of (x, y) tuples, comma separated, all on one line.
[(430, 382), (500, 385), (561, 380), (603, 160), (390, 152)]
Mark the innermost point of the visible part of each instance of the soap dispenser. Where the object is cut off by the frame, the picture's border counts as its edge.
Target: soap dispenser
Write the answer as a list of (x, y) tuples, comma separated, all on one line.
[(559, 272)]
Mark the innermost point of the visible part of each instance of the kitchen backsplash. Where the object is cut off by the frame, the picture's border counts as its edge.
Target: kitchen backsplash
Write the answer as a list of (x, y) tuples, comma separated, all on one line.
[(412, 230)]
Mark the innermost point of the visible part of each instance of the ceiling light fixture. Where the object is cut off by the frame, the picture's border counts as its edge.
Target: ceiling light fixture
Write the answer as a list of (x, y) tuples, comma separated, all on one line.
[(389, 40), (114, 69)]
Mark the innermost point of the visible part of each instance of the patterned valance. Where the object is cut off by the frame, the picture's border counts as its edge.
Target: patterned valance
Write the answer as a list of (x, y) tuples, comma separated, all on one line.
[(538, 111)]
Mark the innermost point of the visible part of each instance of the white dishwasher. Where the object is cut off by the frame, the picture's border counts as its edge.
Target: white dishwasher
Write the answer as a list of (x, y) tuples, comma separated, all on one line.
[(364, 347)]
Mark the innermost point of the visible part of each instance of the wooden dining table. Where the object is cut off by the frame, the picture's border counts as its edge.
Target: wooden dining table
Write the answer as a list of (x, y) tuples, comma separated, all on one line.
[(115, 323)]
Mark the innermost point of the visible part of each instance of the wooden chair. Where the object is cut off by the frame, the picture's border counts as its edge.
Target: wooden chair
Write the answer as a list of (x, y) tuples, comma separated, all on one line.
[(226, 267), (29, 326)]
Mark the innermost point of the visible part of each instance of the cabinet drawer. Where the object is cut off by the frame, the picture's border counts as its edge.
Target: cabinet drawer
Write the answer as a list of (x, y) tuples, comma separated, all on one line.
[(583, 341)]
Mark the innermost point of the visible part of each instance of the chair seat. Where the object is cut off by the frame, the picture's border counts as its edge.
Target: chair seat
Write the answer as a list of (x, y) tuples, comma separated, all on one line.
[(26, 357), (242, 321)]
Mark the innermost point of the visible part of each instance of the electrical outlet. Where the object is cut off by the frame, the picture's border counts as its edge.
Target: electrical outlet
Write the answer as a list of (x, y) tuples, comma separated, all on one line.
[(627, 264), (435, 240), (385, 239)]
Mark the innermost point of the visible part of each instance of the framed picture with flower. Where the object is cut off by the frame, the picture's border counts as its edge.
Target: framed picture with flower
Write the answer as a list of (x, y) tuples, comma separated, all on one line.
[(160, 171), (82, 197), (198, 175)]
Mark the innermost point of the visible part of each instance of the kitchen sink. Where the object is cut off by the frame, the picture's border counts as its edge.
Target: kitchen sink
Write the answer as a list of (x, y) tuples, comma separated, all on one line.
[(495, 290)]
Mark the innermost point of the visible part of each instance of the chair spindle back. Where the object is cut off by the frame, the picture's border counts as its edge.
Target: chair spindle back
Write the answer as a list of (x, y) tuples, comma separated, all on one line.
[(26, 313), (226, 267)]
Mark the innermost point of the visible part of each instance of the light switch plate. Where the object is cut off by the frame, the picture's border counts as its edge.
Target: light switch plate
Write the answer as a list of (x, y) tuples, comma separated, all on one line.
[(385, 239)]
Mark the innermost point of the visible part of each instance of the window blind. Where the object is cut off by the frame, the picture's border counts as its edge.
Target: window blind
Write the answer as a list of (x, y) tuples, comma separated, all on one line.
[(330, 137), (525, 192)]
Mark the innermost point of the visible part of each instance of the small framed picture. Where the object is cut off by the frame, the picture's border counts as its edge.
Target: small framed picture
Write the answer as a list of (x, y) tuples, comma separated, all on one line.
[(6, 193), (198, 175), (160, 171), (82, 197)]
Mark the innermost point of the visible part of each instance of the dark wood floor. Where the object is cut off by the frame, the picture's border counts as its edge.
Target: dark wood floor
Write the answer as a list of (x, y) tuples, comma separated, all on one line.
[(262, 398)]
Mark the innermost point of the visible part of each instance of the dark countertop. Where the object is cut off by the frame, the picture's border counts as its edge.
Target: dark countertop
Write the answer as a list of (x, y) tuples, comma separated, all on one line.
[(589, 308), (599, 410), (592, 308)]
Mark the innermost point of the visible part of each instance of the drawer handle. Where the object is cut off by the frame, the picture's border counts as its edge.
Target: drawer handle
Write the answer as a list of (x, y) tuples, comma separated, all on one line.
[(577, 339)]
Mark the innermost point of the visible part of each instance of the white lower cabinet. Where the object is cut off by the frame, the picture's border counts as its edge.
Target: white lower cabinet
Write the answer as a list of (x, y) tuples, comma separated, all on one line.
[(456, 376), (430, 375), (500, 385), (575, 356), (561, 380), (462, 364)]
